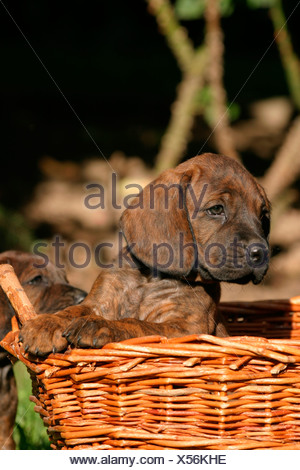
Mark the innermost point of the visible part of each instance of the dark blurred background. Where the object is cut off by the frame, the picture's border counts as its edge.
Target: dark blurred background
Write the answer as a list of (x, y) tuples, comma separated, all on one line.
[(115, 69)]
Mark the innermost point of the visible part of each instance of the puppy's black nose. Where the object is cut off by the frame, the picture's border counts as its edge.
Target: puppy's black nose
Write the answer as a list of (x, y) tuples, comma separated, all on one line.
[(257, 255)]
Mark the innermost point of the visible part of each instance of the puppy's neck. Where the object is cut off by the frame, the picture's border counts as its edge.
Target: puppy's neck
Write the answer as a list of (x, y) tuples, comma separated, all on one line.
[(193, 278)]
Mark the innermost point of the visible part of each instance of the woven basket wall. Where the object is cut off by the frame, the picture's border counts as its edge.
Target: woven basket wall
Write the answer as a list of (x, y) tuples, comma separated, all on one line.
[(197, 392)]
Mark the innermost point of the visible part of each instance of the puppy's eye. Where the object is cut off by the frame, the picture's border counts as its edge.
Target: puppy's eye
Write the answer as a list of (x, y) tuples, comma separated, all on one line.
[(218, 209), (36, 280)]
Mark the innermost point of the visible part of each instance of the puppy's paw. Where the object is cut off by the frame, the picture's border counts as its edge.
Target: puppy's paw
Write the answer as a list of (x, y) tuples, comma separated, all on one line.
[(43, 335), (89, 333)]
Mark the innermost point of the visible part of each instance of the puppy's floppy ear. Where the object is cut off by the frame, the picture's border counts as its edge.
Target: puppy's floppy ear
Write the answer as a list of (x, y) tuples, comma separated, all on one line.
[(262, 191), (157, 227)]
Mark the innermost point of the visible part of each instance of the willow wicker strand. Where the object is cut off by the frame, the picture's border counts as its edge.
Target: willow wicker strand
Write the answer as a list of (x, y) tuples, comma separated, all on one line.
[(194, 392)]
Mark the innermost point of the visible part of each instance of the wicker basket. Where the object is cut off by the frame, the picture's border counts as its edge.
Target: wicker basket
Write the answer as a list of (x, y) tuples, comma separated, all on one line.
[(196, 392)]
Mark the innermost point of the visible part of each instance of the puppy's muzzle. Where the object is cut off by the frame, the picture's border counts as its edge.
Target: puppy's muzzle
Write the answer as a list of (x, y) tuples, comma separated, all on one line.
[(238, 262), (257, 257)]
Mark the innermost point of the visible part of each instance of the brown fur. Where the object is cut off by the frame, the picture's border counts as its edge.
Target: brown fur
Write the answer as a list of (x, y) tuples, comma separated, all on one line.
[(48, 291), (149, 295)]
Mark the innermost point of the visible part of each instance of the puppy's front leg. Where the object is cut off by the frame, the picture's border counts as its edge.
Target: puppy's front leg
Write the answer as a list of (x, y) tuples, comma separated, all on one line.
[(95, 332), (51, 333), (44, 334)]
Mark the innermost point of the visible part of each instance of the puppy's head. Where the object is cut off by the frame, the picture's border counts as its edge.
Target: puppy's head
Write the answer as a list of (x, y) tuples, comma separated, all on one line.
[(46, 287), (207, 215)]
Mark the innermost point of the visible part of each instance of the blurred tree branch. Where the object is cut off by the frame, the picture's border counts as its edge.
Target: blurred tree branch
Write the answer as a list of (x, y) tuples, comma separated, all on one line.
[(215, 48), (183, 112), (286, 165), (176, 36), (205, 66), (289, 59), (285, 168), (192, 64), (195, 68)]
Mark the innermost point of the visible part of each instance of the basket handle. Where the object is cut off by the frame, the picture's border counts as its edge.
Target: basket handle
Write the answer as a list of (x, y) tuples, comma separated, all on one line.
[(14, 291)]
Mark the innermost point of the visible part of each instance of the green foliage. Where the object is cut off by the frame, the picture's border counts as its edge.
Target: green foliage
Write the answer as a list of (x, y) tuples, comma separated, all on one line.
[(14, 231), (30, 432), (261, 3), (204, 103), (234, 111), (189, 9), (194, 9)]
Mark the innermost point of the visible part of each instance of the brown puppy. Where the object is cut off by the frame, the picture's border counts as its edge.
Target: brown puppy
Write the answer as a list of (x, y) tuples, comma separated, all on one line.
[(203, 222), (48, 291)]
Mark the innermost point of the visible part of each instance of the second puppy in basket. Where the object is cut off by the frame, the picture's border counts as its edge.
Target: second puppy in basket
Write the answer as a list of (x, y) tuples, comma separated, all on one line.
[(48, 290), (204, 222)]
